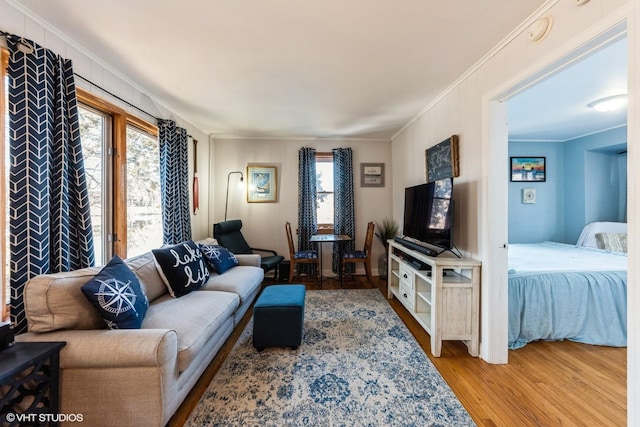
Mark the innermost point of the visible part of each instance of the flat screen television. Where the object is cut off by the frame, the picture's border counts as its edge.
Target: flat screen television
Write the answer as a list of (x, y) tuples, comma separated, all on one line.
[(428, 213)]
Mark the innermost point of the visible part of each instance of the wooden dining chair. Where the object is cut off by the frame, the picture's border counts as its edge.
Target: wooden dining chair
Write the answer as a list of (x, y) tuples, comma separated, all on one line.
[(364, 256), (300, 257)]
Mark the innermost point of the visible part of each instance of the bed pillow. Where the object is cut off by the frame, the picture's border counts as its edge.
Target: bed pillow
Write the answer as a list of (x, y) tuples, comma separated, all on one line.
[(588, 234), (219, 258), (181, 267), (616, 242), (116, 293)]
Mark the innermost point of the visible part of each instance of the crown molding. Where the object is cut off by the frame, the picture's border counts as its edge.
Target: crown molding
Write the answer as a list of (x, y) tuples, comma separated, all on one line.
[(544, 8)]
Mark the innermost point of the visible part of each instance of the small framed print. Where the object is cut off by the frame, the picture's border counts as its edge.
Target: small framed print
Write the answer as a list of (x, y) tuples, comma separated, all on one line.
[(528, 169), (262, 184), (371, 174)]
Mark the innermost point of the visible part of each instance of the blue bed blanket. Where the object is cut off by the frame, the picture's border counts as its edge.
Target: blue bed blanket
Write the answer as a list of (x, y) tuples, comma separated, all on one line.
[(559, 291)]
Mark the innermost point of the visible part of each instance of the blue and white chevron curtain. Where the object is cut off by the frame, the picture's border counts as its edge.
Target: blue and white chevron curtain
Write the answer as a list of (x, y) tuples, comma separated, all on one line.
[(344, 207), (174, 182), (307, 192), (50, 220)]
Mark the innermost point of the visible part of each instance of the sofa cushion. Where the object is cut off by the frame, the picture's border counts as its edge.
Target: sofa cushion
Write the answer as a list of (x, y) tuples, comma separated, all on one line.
[(195, 317), (116, 293), (241, 280), (144, 266), (208, 241), (218, 258), (55, 301), (182, 267)]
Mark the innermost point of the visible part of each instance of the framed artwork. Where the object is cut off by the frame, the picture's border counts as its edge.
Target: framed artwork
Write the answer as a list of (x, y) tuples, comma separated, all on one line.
[(528, 169), (442, 160), (262, 184), (371, 174)]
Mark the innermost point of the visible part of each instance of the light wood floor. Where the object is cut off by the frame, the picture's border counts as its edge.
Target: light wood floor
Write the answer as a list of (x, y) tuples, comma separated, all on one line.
[(544, 383)]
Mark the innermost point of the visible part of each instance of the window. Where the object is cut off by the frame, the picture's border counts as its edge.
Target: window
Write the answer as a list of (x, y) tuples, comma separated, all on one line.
[(125, 208), (144, 207), (143, 230), (95, 133), (324, 189)]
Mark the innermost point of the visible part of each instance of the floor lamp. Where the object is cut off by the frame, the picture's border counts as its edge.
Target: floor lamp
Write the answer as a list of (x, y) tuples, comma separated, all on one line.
[(226, 204)]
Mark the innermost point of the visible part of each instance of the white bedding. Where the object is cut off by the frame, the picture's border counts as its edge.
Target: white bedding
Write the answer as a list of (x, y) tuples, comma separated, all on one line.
[(588, 235), (553, 256)]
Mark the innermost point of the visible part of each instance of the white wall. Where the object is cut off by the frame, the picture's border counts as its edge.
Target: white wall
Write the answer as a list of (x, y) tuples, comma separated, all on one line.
[(465, 109), (263, 223), (86, 65)]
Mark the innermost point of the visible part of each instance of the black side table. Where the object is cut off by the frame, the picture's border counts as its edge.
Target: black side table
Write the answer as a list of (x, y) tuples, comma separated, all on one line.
[(30, 384)]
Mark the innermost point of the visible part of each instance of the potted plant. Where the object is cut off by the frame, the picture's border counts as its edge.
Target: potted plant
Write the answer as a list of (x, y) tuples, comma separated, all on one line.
[(388, 229)]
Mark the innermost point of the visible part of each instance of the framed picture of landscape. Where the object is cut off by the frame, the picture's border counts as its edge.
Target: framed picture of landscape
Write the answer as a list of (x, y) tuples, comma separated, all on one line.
[(528, 169), (262, 184)]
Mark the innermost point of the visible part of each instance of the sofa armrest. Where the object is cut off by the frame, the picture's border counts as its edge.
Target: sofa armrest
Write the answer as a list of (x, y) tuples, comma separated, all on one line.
[(249, 259), (105, 348)]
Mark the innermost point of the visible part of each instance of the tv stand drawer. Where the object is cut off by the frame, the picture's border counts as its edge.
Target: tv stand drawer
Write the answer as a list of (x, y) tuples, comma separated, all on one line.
[(406, 296)]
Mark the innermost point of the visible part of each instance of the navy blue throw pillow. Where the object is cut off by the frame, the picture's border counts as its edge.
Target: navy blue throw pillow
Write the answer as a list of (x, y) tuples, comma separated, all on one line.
[(115, 291), (219, 258), (181, 267)]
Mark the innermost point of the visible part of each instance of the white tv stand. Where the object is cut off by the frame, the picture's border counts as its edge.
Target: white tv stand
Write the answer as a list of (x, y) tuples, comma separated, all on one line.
[(442, 293)]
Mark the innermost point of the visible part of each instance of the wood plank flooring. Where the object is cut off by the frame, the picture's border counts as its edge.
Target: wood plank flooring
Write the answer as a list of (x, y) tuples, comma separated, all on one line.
[(544, 383)]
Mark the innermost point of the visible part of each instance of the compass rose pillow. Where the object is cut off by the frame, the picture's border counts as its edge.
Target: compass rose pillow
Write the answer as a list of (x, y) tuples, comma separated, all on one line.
[(181, 267), (115, 291), (218, 258)]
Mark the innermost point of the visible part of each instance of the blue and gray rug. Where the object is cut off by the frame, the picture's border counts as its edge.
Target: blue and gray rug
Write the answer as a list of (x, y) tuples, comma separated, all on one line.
[(358, 365)]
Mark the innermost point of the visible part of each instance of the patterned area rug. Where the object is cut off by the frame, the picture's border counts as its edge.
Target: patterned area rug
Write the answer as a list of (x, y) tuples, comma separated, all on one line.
[(358, 365)]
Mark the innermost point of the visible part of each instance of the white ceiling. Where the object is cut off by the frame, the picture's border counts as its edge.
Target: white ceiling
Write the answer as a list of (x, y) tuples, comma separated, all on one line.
[(557, 109), (288, 68)]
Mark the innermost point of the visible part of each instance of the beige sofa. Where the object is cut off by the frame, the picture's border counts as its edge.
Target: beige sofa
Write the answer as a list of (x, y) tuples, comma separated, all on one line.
[(136, 377)]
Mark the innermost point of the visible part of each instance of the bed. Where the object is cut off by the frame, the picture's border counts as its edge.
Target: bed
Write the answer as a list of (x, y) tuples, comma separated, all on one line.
[(559, 291)]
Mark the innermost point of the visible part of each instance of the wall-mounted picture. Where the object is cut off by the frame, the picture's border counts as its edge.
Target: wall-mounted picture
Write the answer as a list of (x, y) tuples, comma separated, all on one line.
[(371, 174), (528, 169), (262, 184), (442, 160)]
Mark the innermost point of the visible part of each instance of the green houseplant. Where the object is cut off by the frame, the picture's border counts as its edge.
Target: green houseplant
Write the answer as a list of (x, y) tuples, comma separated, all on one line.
[(386, 230)]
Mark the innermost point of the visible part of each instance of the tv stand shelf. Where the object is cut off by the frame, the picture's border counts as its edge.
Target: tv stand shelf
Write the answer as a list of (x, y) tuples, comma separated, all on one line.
[(442, 293)]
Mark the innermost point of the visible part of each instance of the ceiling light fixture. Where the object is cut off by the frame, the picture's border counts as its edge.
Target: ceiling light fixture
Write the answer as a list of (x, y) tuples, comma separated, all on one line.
[(609, 103)]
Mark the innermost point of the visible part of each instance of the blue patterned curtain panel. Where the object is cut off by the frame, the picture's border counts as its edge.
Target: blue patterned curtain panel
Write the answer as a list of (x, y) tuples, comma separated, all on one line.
[(50, 220), (344, 210), (307, 191), (174, 183)]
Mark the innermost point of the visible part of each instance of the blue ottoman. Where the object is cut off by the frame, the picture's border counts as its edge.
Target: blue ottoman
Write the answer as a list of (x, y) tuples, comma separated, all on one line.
[(278, 317)]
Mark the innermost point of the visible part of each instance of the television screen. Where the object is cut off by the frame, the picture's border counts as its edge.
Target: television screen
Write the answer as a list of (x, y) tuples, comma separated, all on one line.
[(428, 213)]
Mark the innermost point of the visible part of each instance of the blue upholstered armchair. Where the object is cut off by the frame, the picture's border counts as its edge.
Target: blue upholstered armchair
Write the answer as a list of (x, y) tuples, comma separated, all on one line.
[(228, 234)]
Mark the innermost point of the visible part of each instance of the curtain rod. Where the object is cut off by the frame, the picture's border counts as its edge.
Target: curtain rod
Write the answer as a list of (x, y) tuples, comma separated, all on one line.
[(115, 96), (119, 98), (9, 35)]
